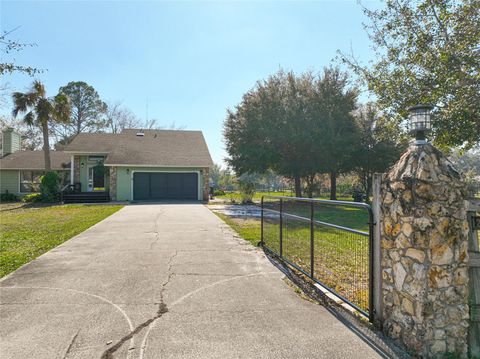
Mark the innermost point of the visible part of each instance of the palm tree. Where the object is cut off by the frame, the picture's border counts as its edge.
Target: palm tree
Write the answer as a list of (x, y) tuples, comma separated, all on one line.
[(40, 111)]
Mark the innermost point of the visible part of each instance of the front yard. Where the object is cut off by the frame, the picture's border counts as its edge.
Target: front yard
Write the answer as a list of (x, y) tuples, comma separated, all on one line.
[(27, 232)]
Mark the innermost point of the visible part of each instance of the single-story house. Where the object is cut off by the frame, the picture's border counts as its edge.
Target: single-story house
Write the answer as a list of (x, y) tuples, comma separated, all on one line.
[(133, 165)]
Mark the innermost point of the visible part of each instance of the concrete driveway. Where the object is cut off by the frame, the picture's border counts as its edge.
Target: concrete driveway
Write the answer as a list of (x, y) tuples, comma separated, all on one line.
[(163, 281)]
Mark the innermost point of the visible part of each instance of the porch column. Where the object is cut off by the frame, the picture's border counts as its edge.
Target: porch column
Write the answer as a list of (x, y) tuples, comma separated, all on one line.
[(76, 169), (72, 158)]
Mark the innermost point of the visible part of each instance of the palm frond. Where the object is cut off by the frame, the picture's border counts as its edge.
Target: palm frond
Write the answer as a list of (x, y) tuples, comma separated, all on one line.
[(20, 103), (29, 118), (39, 89)]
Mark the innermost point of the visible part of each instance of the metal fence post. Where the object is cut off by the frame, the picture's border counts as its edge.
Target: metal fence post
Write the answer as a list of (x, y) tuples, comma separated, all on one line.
[(375, 266), (312, 241), (281, 227), (261, 223)]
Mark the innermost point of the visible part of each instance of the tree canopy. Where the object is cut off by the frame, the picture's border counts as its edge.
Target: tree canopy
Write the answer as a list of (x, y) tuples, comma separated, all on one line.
[(379, 144), (42, 111), (297, 126), (427, 51), (88, 110)]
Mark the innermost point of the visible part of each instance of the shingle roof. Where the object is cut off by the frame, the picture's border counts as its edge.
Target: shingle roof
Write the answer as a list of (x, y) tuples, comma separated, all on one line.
[(155, 148), (34, 160), (93, 142)]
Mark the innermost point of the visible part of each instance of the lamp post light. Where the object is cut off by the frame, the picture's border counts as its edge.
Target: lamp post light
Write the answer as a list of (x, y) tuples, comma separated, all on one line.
[(420, 122)]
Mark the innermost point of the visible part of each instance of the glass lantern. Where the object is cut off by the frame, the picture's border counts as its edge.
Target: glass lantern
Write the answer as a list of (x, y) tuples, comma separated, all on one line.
[(420, 122)]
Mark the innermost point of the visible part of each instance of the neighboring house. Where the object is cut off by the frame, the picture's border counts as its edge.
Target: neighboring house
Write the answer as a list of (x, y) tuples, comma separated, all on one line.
[(138, 165)]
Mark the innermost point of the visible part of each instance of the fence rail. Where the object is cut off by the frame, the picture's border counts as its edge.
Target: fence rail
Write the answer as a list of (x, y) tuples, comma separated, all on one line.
[(331, 242)]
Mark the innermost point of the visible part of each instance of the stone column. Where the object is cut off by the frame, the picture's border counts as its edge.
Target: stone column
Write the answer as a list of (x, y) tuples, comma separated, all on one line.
[(424, 254), (206, 184), (76, 170), (113, 183)]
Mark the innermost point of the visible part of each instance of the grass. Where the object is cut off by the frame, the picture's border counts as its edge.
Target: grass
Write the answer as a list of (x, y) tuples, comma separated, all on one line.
[(235, 196), (248, 229), (340, 258), (26, 232)]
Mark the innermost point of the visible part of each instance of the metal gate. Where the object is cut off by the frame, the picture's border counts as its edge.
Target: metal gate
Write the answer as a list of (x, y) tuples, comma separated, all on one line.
[(474, 280), (331, 242)]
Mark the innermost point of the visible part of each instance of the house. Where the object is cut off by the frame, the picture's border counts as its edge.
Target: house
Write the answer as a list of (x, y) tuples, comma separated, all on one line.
[(133, 165), (20, 171)]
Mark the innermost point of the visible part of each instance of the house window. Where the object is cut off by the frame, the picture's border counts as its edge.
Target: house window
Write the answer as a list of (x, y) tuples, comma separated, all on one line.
[(30, 181), (96, 158)]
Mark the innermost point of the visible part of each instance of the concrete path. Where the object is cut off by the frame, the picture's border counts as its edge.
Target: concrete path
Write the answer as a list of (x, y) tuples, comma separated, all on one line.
[(163, 281)]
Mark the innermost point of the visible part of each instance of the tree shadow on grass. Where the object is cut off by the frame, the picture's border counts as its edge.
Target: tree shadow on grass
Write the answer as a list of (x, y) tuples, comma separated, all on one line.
[(12, 206)]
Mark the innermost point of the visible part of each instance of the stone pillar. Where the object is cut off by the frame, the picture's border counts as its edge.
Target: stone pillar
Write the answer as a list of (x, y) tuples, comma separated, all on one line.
[(206, 184), (113, 183), (76, 170), (424, 254)]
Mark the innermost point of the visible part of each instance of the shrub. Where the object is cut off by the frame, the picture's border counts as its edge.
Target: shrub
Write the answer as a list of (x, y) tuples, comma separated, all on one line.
[(50, 187), (32, 198), (247, 191), (8, 197), (218, 192), (232, 197)]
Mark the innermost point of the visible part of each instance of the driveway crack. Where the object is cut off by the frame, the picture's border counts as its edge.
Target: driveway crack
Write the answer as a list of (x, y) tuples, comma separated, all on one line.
[(162, 309), (71, 344), (157, 233)]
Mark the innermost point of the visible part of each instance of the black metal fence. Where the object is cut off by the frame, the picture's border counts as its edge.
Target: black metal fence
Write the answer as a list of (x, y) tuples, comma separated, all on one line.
[(329, 241)]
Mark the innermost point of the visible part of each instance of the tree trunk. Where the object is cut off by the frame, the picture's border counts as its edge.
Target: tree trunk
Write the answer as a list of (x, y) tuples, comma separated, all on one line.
[(46, 147), (298, 187), (310, 183), (333, 185), (369, 188)]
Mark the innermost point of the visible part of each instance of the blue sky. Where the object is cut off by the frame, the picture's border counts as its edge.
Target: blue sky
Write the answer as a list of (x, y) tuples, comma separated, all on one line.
[(192, 60)]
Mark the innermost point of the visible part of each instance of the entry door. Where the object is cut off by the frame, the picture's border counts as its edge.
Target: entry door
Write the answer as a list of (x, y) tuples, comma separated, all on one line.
[(96, 180)]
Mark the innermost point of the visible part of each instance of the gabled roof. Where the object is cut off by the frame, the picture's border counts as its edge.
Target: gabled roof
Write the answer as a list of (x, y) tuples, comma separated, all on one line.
[(170, 148), (92, 143), (34, 160)]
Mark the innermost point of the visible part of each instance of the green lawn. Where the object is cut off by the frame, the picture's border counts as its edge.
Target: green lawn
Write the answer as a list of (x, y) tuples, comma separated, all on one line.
[(27, 232), (258, 195), (341, 258)]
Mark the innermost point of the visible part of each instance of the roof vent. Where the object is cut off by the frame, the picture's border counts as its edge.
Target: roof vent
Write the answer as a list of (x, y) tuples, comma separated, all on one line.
[(140, 134)]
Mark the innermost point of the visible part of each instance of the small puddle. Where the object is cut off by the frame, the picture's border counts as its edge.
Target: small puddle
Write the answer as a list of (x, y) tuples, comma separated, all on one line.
[(242, 212)]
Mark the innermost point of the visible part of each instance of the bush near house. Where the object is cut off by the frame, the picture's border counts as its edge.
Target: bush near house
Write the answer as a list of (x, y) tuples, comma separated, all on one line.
[(49, 190), (8, 197)]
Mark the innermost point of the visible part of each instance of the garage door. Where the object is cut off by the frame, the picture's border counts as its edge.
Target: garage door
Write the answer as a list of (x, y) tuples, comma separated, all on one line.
[(151, 186)]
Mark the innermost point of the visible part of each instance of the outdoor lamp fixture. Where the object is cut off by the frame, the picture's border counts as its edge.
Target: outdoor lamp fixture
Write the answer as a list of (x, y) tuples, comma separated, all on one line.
[(420, 122), (82, 164), (128, 170)]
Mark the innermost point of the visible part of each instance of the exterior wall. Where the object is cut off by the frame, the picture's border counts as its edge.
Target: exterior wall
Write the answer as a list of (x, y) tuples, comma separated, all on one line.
[(9, 181), (84, 173), (113, 183), (76, 169), (206, 184), (11, 141), (125, 179)]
